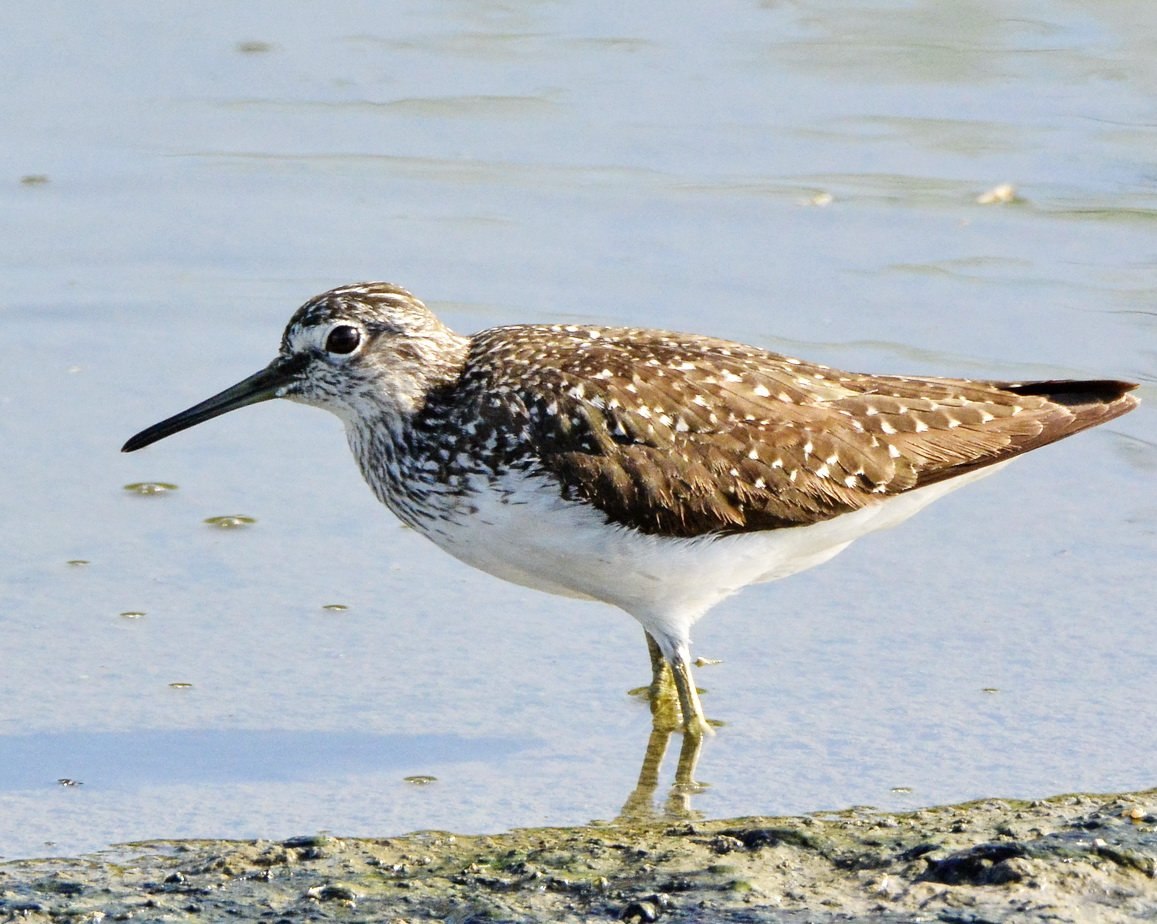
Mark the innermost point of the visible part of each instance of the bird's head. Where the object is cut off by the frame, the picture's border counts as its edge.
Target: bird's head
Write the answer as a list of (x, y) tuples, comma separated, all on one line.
[(364, 352)]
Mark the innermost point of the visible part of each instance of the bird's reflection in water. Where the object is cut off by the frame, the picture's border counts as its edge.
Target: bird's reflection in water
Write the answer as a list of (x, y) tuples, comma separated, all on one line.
[(640, 805)]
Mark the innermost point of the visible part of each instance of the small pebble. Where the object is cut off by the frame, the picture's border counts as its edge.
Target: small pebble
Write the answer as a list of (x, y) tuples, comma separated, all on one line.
[(998, 195)]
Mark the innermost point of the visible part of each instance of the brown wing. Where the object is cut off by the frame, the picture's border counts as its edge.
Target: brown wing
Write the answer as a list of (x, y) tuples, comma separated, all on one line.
[(686, 436)]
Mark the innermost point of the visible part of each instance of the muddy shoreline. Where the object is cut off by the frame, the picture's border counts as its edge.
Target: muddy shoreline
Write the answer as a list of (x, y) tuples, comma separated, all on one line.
[(1076, 858)]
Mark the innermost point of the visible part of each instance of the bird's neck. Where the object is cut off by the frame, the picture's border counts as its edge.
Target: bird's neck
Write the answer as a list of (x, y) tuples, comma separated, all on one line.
[(393, 446)]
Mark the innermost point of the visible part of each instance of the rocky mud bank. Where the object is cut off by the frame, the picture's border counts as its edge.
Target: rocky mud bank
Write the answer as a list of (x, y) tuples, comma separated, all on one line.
[(1078, 858)]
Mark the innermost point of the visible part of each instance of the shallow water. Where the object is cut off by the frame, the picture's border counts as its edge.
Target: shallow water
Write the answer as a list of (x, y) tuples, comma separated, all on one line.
[(179, 183)]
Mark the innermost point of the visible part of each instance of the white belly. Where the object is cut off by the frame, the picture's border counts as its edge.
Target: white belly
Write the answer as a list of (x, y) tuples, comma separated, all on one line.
[(541, 541)]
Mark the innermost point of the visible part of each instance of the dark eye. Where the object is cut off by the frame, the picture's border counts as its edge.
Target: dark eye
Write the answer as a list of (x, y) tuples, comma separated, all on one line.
[(343, 339)]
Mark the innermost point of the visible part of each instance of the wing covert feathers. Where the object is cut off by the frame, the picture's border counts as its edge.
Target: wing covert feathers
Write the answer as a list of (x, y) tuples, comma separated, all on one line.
[(684, 436)]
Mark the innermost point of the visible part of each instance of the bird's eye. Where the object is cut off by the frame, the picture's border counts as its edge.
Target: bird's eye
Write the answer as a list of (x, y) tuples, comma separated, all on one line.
[(343, 339)]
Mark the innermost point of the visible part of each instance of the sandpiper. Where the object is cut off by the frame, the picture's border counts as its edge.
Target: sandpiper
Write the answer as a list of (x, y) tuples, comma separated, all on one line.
[(655, 471)]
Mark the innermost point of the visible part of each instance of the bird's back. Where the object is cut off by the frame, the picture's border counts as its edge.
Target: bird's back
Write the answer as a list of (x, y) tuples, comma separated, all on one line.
[(680, 435)]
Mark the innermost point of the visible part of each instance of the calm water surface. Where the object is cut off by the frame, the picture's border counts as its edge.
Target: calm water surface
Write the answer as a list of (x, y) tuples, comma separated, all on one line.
[(803, 176)]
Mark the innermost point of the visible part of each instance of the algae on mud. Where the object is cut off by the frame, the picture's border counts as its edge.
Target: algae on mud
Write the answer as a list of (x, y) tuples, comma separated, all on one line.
[(1072, 858)]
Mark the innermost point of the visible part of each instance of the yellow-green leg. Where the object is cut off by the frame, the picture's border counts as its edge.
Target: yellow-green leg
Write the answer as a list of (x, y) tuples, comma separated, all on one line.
[(672, 708), (666, 713), (694, 722)]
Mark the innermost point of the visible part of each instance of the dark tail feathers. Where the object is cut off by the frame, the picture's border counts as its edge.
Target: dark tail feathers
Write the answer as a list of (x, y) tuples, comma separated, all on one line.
[(1076, 393)]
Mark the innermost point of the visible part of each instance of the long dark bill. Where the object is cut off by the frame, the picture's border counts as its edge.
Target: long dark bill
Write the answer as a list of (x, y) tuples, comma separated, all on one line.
[(269, 383)]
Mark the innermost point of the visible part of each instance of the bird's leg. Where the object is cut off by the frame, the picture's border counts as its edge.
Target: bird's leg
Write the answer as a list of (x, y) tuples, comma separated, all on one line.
[(681, 707), (694, 722), (664, 695)]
